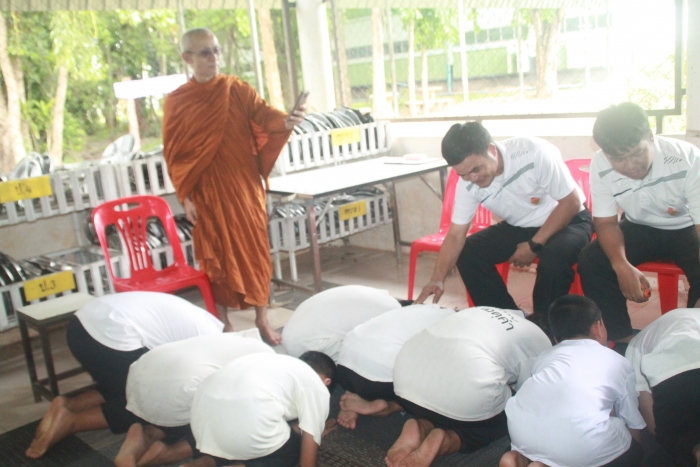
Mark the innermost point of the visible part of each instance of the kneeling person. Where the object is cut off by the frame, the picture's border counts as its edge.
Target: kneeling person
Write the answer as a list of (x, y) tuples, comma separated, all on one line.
[(160, 389), (562, 414), (455, 378), (367, 356), (241, 414), (666, 360), (106, 336)]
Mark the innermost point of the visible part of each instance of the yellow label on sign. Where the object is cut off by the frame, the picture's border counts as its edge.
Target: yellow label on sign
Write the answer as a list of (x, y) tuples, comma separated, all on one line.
[(342, 136), (351, 210), (49, 285), (15, 190)]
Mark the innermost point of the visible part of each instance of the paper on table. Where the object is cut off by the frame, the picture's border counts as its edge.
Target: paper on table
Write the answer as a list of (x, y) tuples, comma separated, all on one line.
[(410, 159)]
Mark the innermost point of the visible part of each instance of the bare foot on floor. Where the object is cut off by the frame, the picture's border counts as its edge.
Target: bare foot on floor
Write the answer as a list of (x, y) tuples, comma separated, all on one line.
[(347, 419), (59, 427), (408, 442), (351, 402), (134, 442), (268, 334), (426, 452), (58, 401), (513, 459)]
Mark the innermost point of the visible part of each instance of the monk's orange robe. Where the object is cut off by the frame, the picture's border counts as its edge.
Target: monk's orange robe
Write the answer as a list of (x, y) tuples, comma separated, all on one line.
[(220, 141)]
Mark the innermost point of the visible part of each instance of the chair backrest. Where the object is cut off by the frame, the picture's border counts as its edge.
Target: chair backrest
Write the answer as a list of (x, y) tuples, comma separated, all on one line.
[(482, 218), (448, 201), (580, 170), (130, 217)]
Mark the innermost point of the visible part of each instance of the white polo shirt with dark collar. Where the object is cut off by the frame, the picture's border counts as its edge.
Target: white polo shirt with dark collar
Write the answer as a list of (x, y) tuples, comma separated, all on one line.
[(667, 198), (534, 179)]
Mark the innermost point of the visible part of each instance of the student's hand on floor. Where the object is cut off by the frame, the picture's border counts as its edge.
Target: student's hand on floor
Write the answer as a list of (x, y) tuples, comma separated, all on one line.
[(632, 283), (523, 256), (434, 288), (190, 210)]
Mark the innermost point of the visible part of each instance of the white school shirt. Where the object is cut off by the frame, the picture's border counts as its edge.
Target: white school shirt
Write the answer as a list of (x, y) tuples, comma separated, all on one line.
[(462, 366), (131, 320), (161, 384), (561, 415), (667, 198), (667, 347), (321, 322), (241, 411), (533, 181), (371, 348)]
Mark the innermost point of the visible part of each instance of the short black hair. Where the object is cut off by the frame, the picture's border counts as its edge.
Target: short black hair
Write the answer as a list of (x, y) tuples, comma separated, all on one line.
[(572, 316), (620, 127), (322, 364), (463, 140)]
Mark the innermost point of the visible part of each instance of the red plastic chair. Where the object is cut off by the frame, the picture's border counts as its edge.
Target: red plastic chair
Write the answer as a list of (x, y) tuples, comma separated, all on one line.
[(482, 219), (130, 217), (668, 275)]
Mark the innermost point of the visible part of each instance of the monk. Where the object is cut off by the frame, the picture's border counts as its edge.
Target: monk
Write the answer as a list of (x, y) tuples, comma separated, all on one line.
[(221, 140)]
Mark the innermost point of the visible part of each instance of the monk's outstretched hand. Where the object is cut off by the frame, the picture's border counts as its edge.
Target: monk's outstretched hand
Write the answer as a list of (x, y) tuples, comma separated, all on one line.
[(295, 117)]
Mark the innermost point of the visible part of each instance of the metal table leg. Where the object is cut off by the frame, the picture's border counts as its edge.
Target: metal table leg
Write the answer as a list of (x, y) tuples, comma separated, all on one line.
[(395, 220), (313, 236), (29, 357), (48, 357)]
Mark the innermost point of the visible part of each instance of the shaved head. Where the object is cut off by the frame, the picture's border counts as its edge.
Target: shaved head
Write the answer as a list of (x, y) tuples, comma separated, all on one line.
[(191, 35)]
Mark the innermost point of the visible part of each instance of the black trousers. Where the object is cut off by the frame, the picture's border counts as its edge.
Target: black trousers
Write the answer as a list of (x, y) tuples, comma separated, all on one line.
[(484, 250), (630, 458), (286, 456), (109, 368), (366, 389), (472, 435), (642, 244), (677, 416)]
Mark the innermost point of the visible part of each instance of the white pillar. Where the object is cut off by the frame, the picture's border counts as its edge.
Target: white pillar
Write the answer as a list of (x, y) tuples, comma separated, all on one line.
[(315, 49), (692, 131)]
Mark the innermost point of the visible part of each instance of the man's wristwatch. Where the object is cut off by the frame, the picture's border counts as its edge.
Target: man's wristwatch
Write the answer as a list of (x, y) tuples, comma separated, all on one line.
[(535, 247)]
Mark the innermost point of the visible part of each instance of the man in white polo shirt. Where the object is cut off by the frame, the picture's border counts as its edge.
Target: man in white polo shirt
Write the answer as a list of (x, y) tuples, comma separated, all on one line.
[(321, 322), (525, 182), (160, 389), (106, 336), (367, 356), (263, 410), (455, 377), (561, 416), (665, 356), (656, 182)]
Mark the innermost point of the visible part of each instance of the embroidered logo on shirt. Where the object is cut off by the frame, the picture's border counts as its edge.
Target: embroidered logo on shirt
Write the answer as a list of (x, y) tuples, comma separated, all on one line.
[(672, 212), (671, 159), (535, 200), (515, 154)]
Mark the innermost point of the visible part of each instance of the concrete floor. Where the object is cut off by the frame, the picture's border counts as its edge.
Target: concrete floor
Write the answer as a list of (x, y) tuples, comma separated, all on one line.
[(341, 265)]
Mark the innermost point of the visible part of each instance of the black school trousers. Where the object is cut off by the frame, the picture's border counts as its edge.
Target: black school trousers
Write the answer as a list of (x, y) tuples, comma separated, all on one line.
[(642, 244), (486, 249)]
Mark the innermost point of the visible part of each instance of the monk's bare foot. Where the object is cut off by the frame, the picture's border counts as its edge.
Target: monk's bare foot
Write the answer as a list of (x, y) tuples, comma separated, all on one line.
[(59, 428), (408, 442), (426, 452), (351, 402), (347, 419), (58, 401), (515, 459), (268, 334), (696, 449)]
